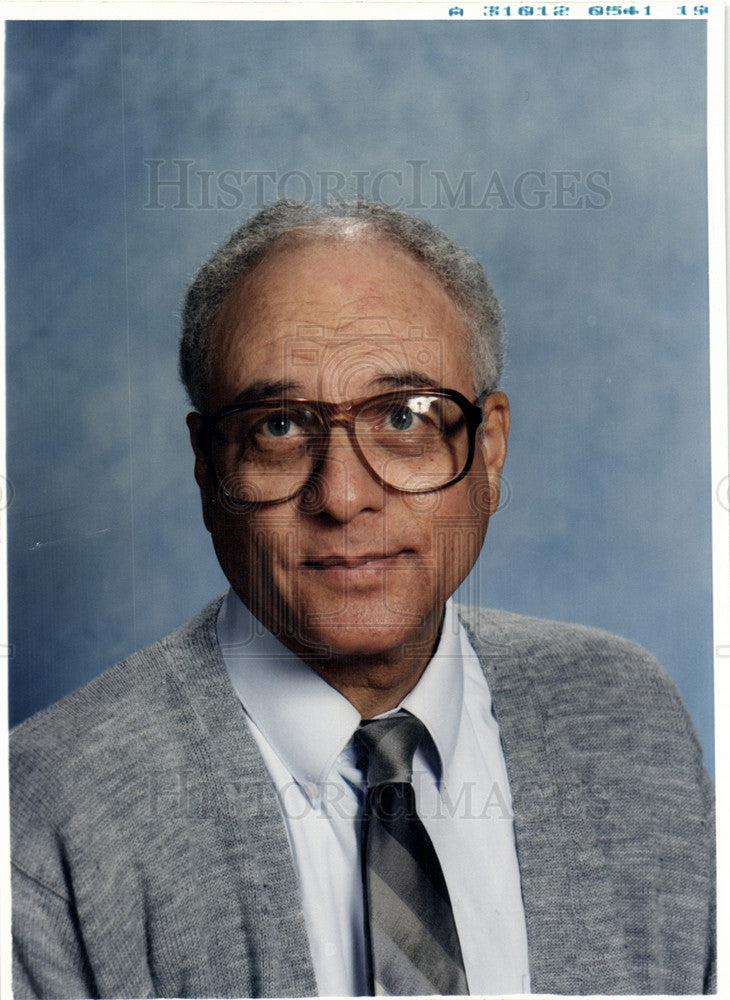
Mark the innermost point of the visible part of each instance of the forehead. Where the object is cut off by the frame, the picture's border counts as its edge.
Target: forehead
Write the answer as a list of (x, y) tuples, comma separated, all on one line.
[(336, 319)]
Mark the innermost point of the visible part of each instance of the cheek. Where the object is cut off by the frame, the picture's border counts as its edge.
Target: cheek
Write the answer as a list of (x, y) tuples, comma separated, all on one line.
[(453, 524), (445, 528), (250, 547)]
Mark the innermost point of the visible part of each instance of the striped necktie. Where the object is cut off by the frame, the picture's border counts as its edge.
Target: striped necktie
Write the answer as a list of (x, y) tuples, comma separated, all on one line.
[(414, 945)]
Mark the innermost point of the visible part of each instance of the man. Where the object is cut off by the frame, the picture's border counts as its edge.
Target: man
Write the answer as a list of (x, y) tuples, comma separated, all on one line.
[(334, 781)]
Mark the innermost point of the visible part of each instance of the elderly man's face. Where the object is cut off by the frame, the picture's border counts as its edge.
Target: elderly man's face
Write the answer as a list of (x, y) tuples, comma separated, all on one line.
[(356, 568)]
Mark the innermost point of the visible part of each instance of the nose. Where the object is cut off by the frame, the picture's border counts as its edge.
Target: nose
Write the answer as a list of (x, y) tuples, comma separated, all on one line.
[(343, 486)]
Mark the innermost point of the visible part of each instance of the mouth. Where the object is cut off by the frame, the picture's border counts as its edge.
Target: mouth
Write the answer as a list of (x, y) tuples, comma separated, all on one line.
[(368, 560)]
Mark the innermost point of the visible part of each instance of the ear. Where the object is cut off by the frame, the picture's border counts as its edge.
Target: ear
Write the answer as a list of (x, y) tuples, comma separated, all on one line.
[(495, 431), (202, 477)]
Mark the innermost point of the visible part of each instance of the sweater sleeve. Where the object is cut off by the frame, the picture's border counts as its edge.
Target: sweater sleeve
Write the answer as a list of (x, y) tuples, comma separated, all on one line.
[(49, 959), (710, 985)]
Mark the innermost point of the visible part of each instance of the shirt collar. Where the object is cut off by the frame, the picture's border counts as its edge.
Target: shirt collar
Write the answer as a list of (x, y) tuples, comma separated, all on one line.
[(438, 698), (303, 718)]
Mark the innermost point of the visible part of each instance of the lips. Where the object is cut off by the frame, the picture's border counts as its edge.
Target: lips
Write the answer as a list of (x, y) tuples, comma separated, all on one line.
[(346, 562)]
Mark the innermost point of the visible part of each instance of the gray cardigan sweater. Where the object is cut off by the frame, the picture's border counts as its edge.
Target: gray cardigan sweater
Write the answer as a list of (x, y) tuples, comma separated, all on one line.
[(150, 857)]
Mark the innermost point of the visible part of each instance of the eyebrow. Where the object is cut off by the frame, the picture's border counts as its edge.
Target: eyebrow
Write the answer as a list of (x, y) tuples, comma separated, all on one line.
[(405, 380), (267, 389), (272, 389)]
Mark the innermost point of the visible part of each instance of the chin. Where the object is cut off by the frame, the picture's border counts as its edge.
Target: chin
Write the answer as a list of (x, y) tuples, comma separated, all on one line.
[(363, 639)]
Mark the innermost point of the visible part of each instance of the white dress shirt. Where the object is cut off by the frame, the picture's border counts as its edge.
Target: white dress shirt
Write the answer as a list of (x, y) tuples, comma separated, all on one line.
[(304, 728)]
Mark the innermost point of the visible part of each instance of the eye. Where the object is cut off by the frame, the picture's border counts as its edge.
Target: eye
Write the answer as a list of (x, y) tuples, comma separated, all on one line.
[(280, 425), (401, 418)]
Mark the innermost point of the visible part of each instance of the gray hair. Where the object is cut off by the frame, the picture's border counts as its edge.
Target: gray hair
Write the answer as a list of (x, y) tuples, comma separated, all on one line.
[(287, 222)]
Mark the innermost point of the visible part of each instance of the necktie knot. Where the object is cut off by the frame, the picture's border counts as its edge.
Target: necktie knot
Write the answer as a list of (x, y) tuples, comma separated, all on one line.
[(390, 744)]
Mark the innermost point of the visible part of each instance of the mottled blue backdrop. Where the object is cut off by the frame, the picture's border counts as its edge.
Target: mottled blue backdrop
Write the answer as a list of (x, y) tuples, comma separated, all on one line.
[(570, 157)]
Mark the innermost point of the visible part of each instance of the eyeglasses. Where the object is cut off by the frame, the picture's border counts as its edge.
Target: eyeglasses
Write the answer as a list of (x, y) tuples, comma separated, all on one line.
[(413, 441)]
